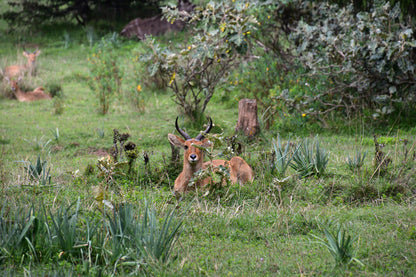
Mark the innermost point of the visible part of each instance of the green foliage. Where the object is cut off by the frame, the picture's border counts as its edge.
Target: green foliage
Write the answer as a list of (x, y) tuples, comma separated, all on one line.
[(281, 158), (368, 58), (357, 161), (125, 239), (310, 159), (194, 69), (65, 228), (340, 245), (38, 171), (27, 13), (157, 239), (142, 240), (106, 75), (14, 233)]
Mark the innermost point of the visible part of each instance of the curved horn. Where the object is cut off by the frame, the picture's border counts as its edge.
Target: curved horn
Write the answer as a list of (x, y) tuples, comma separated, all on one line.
[(182, 132), (201, 136)]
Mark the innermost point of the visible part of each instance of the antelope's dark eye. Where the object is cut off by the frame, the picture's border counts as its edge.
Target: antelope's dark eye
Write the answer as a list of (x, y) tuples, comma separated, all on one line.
[(186, 147)]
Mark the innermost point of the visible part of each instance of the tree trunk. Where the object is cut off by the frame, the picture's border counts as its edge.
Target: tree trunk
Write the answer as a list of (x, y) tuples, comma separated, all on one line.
[(247, 117)]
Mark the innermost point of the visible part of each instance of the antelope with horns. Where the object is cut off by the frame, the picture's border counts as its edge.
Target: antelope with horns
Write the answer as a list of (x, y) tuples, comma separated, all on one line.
[(18, 70), (240, 171), (156, 25), (29, 96)]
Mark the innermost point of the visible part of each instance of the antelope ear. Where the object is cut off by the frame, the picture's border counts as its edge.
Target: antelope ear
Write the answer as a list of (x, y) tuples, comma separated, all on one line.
[(37, 52), (206, 143), (175, 140), (26, 54)]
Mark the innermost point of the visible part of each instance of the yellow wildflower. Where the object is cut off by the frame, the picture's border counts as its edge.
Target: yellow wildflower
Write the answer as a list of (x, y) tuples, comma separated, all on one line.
[(172, 78), (304, 114), (189, 47), (139, 88)]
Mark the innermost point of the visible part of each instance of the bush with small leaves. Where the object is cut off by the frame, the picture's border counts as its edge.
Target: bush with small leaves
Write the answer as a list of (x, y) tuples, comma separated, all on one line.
[(368, 59), (193, 70), (105, 71)]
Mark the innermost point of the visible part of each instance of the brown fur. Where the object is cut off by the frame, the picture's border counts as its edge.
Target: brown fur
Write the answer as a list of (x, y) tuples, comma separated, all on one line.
[(18, 70), (240, 171), (155, 25), (29, 96)]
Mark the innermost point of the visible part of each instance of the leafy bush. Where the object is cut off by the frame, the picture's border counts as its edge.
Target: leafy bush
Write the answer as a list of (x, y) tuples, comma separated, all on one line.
[(368, 59), (105, 71), (193, 70)]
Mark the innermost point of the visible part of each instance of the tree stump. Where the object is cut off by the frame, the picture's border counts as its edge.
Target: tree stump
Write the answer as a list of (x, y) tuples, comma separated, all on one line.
[(247, 117)]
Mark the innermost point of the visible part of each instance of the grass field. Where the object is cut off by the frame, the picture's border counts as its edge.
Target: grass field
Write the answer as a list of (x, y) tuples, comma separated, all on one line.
[(266, 228)]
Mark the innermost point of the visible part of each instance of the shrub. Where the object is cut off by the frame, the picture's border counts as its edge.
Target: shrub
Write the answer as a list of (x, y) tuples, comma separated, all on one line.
[(368, 59), (193, 70), (106, 74)]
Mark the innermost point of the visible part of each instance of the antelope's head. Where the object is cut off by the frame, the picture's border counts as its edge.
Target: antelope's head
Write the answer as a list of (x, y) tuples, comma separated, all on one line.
[(31, 57), (193, 155), (14, 85)]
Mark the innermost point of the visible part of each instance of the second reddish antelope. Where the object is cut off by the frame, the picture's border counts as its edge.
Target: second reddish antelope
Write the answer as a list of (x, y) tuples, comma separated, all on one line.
[(240, 171), (18, 70), (29, 96)]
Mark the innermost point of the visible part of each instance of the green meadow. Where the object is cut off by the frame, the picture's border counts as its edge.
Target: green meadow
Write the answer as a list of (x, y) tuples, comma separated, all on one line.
[(63, 212)]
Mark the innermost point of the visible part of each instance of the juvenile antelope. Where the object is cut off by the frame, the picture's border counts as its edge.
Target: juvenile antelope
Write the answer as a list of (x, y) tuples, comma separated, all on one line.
[(29, 96), (240, 171), (18, 70), (155, 25)]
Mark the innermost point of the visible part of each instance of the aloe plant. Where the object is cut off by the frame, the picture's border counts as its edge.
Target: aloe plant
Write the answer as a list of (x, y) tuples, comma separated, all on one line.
[(340, 245), (281, 157), (38, 171), (310, 159), (357, 161)]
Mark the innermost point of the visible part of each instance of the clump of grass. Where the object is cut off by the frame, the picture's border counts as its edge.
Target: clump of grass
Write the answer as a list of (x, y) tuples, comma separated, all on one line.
[(40, 144)]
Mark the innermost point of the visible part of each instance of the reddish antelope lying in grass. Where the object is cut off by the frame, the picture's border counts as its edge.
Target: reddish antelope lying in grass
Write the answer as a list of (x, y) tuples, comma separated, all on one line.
[(240, 171), (29, 96), (18, 70)]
